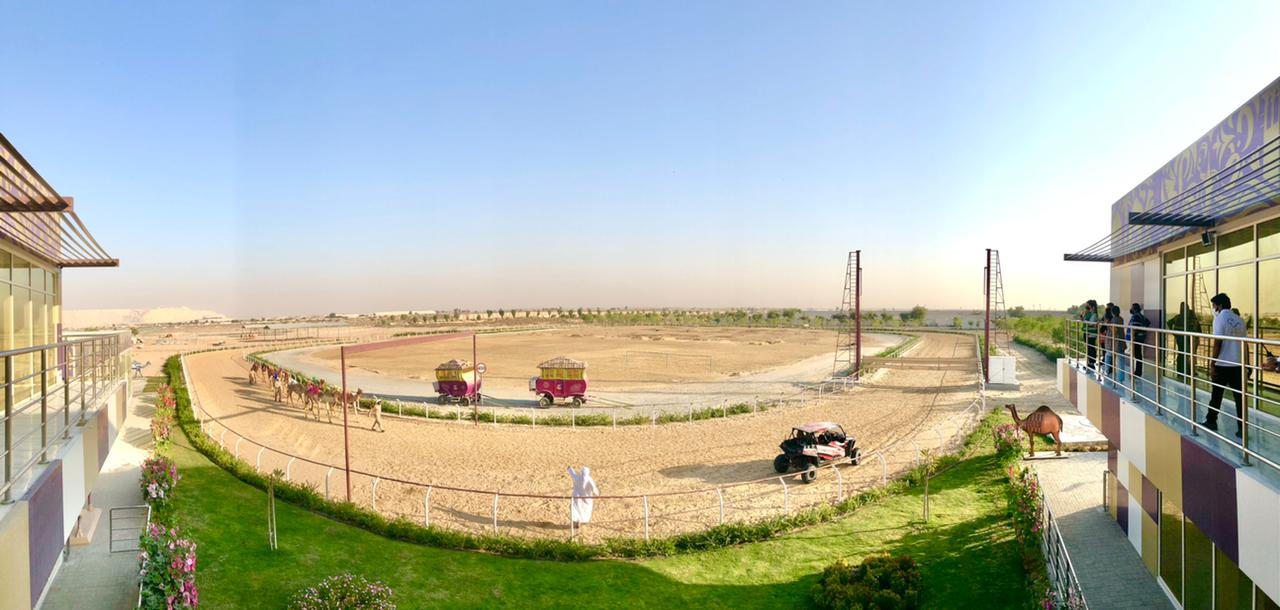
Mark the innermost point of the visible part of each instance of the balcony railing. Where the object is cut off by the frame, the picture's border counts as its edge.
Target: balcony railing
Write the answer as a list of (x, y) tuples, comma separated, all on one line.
[(1170, 373), (48, 390)]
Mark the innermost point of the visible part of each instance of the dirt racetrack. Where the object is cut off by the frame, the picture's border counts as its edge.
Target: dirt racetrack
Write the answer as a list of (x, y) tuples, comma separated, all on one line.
[(906, 408)]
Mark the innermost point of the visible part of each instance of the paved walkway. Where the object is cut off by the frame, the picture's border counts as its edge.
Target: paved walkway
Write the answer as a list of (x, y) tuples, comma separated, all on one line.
[(92, 576), (1111, 572)]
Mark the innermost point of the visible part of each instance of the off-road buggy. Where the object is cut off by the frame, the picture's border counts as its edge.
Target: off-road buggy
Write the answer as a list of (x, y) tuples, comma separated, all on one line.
[(812, 445)]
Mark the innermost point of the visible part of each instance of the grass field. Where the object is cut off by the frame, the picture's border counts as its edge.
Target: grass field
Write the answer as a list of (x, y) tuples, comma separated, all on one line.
[(966, 553)]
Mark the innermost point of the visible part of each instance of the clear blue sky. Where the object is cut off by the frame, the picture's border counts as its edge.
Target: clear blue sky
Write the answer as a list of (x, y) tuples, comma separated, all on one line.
[(267, 158)]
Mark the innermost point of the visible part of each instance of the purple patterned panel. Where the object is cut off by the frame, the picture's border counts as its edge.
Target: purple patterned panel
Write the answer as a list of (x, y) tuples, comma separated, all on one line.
[(44, 534), (1111, 459), (1111, 417), (1241, 133), (1150, 499), (104, 437), (1209, 496), (1122, 507)]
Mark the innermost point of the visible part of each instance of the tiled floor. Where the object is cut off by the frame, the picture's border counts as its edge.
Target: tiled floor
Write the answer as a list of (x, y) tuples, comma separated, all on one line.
[(1111, 572), (92, 576)]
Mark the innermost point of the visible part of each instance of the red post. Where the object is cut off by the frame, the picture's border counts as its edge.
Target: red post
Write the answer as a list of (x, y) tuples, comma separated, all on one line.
[(986, 326), (475, 378), (857, 314), (346, 444)]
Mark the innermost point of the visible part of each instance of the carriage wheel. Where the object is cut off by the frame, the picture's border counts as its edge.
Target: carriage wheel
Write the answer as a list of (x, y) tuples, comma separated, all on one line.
[(544, 400), (577, 401), (442, 399), (464, 401), (479, 398)]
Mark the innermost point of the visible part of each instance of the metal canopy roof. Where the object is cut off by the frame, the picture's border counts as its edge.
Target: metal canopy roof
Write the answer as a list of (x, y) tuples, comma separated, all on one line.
[(34, 216), (1251, 182)]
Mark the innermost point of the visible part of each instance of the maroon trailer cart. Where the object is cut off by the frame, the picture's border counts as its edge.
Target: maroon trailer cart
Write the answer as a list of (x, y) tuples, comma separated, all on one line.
[(459, 381), (560, 378)]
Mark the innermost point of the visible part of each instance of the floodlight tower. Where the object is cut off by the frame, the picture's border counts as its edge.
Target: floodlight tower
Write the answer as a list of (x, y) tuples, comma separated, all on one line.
[(849, 337), (993, 291)]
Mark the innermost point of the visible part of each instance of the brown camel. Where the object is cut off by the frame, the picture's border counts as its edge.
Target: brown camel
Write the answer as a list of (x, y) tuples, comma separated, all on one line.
[(1040, 421)]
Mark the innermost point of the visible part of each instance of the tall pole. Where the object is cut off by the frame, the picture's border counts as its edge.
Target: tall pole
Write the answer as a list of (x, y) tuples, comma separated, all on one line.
[(346, 444), (857, 313), (986, 327), (475, 378)]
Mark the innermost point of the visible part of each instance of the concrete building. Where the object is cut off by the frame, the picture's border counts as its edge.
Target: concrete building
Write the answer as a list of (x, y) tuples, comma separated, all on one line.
[(1199, 504), (64, 394)]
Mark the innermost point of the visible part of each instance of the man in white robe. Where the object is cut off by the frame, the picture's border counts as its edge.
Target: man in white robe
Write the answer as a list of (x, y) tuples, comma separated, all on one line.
[(584, 489)]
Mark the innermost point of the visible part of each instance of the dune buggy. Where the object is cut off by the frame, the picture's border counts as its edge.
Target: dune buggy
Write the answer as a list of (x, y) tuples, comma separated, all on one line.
[(812, 445)]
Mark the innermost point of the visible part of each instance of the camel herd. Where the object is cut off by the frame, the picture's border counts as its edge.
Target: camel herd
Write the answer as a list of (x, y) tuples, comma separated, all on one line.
[(313, 394)]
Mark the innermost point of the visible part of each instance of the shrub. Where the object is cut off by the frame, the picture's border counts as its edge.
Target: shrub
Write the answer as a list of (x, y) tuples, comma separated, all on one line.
[(880, 581), (163, 419), (1008, 441), (167, 578), (344, 592), (159, 477)]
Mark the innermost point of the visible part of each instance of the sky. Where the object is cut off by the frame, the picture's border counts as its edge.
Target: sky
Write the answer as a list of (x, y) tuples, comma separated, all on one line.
[(311, 157)]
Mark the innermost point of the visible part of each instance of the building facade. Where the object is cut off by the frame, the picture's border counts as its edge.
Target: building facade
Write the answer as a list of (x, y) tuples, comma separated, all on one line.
[(1200, 505), (64, 396)]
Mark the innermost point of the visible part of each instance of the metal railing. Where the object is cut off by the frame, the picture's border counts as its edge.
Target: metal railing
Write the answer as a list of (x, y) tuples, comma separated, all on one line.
[(1062, 573), (47, 390), (625, 515), (127, 524), (1173, 376)]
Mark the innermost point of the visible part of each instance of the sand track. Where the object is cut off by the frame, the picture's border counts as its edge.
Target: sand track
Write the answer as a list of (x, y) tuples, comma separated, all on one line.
[(903, 406)]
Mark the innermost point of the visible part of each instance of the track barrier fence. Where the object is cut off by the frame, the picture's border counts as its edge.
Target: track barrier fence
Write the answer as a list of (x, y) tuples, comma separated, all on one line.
[(633, 515)]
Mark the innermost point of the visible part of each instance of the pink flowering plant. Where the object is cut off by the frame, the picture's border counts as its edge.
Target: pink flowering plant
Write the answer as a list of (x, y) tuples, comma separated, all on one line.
[(163, 420), (344, 592), (1026, 511), (168, 569), (159, 478), (1008, 441)]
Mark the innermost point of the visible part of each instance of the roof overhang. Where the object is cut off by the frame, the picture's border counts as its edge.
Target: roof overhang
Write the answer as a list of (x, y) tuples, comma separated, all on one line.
[(36, 218)]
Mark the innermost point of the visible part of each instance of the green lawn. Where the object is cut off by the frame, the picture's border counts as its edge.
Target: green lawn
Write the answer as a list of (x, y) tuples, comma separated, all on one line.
[(966, 554)]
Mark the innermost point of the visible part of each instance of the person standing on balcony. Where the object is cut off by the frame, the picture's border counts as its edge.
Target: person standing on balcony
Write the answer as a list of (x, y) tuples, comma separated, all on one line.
[(1106, 341), (1119, 343), (1138, 323), (1090, 319), (1228, 360)]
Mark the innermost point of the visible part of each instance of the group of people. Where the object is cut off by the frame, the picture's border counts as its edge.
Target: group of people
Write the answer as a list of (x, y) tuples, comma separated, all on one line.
[(1228, 355), (1113, 334)]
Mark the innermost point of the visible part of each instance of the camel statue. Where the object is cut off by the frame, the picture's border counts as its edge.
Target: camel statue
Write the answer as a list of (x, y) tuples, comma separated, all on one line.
[(1040, 421)]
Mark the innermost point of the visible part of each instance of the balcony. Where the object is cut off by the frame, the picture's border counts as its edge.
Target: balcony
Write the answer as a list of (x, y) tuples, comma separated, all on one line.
[(1175, 386), (49, 391)]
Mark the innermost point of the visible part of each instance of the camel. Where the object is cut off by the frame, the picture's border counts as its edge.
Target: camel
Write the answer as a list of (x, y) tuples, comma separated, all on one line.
[(1040, 421), (296, 388)]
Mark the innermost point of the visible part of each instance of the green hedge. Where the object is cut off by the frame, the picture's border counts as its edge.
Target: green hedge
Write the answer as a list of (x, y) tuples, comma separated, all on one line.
[(308, 497), (1050, 352)]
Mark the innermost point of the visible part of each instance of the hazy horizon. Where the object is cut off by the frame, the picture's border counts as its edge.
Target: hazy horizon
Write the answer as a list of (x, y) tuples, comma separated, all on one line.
[(261, 160)]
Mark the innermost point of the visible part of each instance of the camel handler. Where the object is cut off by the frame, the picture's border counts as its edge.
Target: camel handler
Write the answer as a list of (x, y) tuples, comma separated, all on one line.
[(377, 415), (584, 489)]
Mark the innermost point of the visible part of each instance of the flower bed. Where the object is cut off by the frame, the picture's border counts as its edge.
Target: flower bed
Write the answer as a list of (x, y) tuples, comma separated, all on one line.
[(344, 592), (166, 560), (167, 569)]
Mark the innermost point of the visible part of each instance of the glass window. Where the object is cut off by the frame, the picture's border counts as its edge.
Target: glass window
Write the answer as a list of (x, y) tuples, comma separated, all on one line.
[(1269, 237), (1236, 246), (22, 338), (1269, 328), (1197, 569), (21, 272), (6, 260), (1200, 256), (1171, 547), (1200, 288), (1176, 361), (1232, 589), (1175, 261)]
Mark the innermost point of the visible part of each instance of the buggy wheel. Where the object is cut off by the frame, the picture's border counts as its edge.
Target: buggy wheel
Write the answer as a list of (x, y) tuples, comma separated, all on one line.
[(855, 456), (464, 401), (479, 398), (577, 401), (544, 401), (781, 464), (442, 399), (810, 473)]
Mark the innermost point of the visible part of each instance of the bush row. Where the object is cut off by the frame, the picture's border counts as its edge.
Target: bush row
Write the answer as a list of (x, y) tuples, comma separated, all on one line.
[(307, 496), (166, 559), (1050, 352)]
